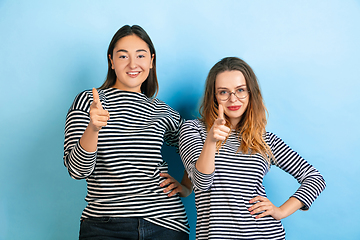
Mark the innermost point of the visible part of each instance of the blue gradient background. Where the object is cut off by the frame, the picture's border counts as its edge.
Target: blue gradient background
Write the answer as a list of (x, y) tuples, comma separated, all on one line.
[(306, 55)]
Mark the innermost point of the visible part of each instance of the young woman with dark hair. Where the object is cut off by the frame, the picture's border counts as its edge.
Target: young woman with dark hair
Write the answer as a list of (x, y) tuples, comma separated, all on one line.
[(227, 153), (113, 139)]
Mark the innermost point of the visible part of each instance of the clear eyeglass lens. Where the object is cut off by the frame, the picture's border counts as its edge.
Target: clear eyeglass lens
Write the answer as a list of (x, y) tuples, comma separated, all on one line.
[(225, 95)]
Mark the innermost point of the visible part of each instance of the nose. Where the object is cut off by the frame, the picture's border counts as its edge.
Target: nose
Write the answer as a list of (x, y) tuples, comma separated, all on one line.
[(132, 62), (233, 97)]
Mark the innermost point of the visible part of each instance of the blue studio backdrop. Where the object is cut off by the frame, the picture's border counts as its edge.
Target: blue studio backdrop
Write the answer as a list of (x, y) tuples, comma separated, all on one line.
[(306, 55)]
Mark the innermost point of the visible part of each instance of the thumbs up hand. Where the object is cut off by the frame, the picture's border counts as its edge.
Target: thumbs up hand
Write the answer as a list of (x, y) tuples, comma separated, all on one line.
[(98, 116), (219, 131)]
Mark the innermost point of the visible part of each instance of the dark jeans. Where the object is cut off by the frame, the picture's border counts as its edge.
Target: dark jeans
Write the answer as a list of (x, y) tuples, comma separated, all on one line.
[(107, 228)]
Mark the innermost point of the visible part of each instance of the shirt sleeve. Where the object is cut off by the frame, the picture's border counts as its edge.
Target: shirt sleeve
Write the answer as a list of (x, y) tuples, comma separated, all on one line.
[(80, 163), (311, 181), (191, 143), (174, 123)]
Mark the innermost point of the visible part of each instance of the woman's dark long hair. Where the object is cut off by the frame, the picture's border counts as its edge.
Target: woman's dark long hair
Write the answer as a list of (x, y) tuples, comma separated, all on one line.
[(150, 86)]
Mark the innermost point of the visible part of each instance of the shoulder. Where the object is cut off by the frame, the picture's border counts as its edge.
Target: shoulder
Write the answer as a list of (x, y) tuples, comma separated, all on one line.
[(163, 107), (193, 131), (82, 100), (194, 124), (272, 139), (269, 136), (85, 94), (159, 103)]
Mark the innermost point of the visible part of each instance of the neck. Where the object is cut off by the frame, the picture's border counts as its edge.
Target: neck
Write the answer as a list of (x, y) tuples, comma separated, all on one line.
[(234, 123)]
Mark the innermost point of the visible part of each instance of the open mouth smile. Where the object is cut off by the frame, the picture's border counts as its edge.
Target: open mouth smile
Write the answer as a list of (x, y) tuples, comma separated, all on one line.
[(133, 74)]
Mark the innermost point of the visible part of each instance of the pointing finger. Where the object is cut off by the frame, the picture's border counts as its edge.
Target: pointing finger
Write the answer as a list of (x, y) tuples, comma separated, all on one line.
[(221, 112), (96, 99), (95, 94)]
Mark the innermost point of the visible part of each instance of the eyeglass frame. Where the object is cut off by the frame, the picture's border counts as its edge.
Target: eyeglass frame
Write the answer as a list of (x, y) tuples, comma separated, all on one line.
[(248, 91)]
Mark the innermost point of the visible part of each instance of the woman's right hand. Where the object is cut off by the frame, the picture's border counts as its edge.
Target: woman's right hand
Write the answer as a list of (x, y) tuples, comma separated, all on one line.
[(98, 116), (219, 131)]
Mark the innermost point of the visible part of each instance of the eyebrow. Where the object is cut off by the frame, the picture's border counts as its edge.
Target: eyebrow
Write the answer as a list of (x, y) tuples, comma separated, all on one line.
[(123, 50), (243, 85)]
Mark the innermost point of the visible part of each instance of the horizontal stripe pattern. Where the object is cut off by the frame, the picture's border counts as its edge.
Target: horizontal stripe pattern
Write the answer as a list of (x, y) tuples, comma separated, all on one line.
[(222, 197), (123, 174)]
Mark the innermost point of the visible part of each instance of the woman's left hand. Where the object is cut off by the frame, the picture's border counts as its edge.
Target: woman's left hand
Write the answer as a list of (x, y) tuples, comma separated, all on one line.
[(172, 186), (262, 204)]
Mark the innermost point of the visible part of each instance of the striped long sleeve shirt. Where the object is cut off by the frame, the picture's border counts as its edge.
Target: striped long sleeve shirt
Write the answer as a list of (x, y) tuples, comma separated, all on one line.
[(123, 173), (222, 197)]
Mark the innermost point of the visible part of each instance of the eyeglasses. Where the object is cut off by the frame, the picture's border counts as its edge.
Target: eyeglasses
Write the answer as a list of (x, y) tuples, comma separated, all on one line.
[(240, 93)]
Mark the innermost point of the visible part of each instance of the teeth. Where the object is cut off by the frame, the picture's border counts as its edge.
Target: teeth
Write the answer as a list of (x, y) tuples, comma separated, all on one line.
[(133, 73)]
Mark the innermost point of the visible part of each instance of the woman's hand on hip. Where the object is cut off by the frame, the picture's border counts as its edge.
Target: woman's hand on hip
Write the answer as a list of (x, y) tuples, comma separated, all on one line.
[(172, 185), (265, 207)]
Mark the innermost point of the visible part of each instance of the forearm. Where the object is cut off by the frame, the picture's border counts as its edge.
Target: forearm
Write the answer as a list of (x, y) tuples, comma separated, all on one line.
[(187, 186), (206, 162), (290, 206), (89, 139), (80, 162)]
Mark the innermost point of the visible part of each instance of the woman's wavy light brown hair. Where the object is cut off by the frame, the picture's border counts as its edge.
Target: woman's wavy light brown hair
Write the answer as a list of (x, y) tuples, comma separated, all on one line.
[(150, 86), (251, 127)]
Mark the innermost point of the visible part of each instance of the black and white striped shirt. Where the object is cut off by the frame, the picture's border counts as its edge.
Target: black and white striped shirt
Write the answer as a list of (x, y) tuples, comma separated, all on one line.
[(123, 174), (222, 197)]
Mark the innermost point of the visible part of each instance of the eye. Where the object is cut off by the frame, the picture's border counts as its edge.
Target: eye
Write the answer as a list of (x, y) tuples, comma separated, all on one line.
[(223, 92), (141, 56), (122, 56), (240, 90)]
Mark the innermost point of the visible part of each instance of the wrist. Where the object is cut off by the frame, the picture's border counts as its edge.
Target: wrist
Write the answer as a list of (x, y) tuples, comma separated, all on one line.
[(93, 128), (289, 207), (281, 213), (210, 141), (185, 191)]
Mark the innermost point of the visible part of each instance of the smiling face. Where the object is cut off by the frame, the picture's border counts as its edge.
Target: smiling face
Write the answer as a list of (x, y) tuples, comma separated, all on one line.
[(131, 62), (232, 81)]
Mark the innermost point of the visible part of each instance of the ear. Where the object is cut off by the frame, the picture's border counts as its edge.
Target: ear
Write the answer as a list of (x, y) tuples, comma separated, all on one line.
[(152, 59), (112, 63)]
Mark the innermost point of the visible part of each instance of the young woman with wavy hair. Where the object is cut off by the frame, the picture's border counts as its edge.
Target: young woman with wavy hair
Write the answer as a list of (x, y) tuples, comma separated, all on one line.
[(252, 125), (227, 153)]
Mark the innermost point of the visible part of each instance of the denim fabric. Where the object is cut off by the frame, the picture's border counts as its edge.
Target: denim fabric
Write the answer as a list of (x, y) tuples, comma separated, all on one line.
[(107, 228)]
